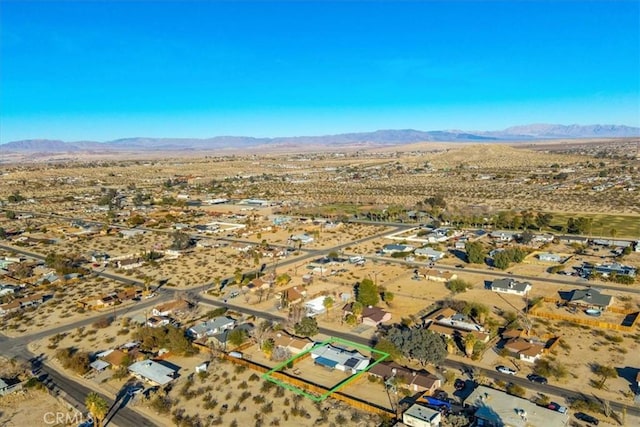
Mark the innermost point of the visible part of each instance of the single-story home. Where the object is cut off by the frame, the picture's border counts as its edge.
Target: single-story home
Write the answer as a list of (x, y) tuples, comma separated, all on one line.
[(587, 298), (498, 408), (211, 327), (549, 257), (158, 321), (527, 350), (373, 316), (153, 372), (503, 236), (437, 275), (339, 358), (171, 307), (315, 306), (421, 416), (302, 238), (127, 234), (430, 253), (411, 380), (573, 239), (295, 345), (393, 248), (292, 295), (222, 338), (510, 286), (8, 386)]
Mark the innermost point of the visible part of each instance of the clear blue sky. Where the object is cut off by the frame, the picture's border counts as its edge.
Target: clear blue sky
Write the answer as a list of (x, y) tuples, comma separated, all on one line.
[(104, 70)]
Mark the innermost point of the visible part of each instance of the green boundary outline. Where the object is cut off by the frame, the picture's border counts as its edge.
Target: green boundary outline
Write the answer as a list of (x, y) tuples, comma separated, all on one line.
[(267, 375)]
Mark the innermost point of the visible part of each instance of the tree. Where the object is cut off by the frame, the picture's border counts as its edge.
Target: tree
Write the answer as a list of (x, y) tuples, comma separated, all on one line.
[(3, 233), (237, 336), (388, 347), (458, 285), (502, 260), (327, 303), (388, 296), (10, 214), (283, 279), (605, 372), (181, 240), (97, 407), (543, 220), (475, 252), (367, 293), (469, 343), (418, 343), (307, 327)]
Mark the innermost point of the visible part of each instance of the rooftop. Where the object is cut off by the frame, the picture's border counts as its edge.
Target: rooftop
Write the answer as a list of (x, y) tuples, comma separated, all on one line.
[(153, 371)]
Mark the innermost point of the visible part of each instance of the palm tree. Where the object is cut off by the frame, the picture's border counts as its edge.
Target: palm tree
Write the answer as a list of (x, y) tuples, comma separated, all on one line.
[(327, 303), (97, 407), (469, 343)]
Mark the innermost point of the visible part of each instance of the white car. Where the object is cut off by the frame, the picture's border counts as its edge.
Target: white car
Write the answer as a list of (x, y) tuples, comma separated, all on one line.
[(506, 370)]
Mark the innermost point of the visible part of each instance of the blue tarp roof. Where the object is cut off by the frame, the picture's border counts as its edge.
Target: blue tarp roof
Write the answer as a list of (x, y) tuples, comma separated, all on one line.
[(325, 362)]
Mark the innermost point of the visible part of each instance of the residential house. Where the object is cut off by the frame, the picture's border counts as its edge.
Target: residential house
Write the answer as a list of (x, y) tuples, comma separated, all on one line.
[(549, 257), (158, 321), (528, 350), (495, 408), (174, 308), (220, 340), (510, 286), (503, 236), (393, 248), (315, 306), (302, 238), (293, 344), (117, 359), (610, 269), (7, 289), (406, 378), (587, 298), (8, 386), (451, 324), (211, 327), (437, 275), (373, 316), (568, 239), (430, 253), (129, 263), (242, 247), (292, 295), (612, 242), (338, 358), (153, 372), (421, 416)]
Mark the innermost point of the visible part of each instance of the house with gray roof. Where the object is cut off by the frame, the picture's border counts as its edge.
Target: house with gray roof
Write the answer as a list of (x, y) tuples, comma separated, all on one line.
[(587, 298), (429, 253), (339, 358), (211, 327), (153, 372), (393, 248), (510, 286)]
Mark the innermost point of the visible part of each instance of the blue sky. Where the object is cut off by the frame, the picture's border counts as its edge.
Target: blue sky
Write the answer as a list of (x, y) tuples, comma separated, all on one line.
[(104, 70)]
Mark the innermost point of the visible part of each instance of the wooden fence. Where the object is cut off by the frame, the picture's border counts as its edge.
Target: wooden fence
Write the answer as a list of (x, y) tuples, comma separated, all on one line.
[(589, 322)]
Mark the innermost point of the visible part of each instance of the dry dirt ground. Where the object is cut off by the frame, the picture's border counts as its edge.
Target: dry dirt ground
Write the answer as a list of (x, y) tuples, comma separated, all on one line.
[(36, 408)]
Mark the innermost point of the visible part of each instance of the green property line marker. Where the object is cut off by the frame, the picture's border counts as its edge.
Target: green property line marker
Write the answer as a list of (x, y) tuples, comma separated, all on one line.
[(268, 375)]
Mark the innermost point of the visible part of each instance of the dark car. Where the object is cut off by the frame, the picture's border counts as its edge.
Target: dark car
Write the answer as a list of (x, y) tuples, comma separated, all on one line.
[(557, 407), (586, 418), (537, 379)]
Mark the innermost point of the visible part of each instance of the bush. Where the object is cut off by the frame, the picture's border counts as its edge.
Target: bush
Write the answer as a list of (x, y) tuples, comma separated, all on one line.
[(458, 285)]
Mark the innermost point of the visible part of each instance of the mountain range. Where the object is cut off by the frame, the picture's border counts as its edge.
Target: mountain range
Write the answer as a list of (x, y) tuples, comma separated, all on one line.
[(364, 139)]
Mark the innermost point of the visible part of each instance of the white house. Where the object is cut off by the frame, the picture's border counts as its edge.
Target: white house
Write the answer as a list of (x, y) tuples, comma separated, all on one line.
[(430, 253), (549, 257), (339, 358), (393, 248), (211, 327), (153, 372), (315, 306), (421, 416), (503, 236), (302, 238), (510, 286)]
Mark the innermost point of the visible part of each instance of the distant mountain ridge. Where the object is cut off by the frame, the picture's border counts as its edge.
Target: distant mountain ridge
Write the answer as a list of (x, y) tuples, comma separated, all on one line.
[(387, 137)]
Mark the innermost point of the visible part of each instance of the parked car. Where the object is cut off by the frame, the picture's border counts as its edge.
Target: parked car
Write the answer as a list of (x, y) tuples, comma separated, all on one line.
[(234, 294), (506, 370), (557, 407), (537, 379), (587, 418)]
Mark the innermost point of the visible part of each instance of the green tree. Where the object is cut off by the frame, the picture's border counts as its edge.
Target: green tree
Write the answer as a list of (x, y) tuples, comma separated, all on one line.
[(418, 344), (458, 285), (605, 372), (327, 303), (388, 297), (387, 346), (180, 241), (10, 214), (469, 344), (237, 337), (543, 220), (97, 407), (367, 293), (307, 327), (475, 252), (502, 260)]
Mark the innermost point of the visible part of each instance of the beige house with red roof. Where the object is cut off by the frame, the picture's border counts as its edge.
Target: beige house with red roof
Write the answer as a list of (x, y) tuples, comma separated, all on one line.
[(295, 345)]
